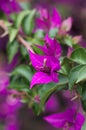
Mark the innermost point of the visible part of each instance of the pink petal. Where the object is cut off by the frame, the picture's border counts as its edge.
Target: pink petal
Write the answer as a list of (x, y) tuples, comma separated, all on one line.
[(43, 14), (79, 121), (55, 77), (55, 121), (40, 78), (42, 24), (54, 47), (59, 120), (48, 40), (56, 19), (36, 60)]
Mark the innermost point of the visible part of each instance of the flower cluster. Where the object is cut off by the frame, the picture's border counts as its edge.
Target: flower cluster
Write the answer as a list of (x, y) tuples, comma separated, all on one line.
[(48, 64), (47, 21)]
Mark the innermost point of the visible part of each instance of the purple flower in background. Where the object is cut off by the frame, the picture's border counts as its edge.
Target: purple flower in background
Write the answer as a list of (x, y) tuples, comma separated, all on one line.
[(12, 105), (12, 101), (68, 120), (9, 6), (4, 80), (5, 68), (12, 125), (9, 106), (52, 105), (47, 21), (9, 102)]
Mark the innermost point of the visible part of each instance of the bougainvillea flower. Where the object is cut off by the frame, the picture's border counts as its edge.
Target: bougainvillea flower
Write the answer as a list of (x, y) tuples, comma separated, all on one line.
[(8, 103), (12, 126), (51, 47), (69, 120), (52, 105), (12, 107), (4, 80), (47, 21), (12, 101), (9, 106), (9, 6), (46, 67)]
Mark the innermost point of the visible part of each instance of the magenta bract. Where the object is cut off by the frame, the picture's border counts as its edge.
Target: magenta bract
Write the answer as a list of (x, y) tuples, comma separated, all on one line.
[(70, 120), (9, 6), (48, 64), (47, 21)]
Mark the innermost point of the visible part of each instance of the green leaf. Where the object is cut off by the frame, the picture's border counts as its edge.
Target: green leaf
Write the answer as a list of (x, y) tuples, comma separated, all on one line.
[(28, 23), (1, 126), (24, 53), (34, 42), (79, 56), (36, 49), (48, 89), (13, 16), (25, 5), (84, 105), (18, 85), (84, 126), (79, 89), (84, 95), (39, 34), (77, 74), (68, 41), (12, 33), (53, 32), (20, 17), (37, 41), (82, 74), (65, 66), (83, 91), (12, 49), (24, 71)]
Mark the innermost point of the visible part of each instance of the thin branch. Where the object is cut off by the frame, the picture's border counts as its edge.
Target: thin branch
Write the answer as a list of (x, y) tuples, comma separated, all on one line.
[(3, 26), (25, 43)]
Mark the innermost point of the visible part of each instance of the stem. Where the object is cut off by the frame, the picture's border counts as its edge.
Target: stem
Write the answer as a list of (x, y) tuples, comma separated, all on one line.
[(23, 94), (25, 43), (3, 26)]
